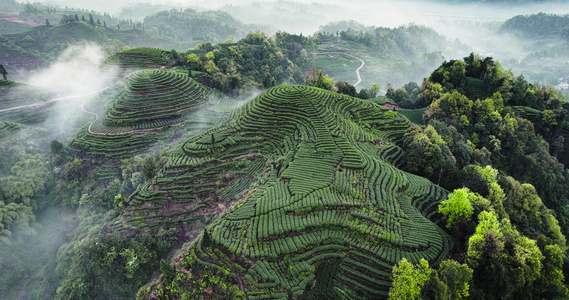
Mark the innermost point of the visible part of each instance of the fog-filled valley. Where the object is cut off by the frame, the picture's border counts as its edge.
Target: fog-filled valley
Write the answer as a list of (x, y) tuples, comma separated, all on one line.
[(284, 149)]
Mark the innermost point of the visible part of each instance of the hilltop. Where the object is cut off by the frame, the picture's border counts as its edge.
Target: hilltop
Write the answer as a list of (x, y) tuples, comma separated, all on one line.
[(145, 107), (325, 166)]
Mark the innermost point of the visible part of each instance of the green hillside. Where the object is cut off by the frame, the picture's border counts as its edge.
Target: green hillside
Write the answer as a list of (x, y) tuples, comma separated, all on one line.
[(22, 103), (540, 25), (11, 26), (16, 59), (312, 191), (396, 55), (138, 58), (414, 115), (140, 110), (206, 174), (29, 49), (191, 27)]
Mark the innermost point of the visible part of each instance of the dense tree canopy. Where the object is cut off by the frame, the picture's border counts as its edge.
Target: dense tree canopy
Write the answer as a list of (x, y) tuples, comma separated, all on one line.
[(536, 25)]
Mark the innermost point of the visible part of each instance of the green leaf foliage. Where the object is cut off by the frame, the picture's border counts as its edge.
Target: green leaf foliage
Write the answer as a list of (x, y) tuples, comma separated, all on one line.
[(14, 215), (408, 280), (113, 264), (457, 207)]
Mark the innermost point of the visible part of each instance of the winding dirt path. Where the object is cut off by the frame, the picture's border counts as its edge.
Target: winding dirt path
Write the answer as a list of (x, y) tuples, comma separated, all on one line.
[(133, 131), (346, 54)]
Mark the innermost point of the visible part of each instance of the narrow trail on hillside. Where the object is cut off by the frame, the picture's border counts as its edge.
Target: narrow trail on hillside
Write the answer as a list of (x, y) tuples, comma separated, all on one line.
[(361, 60), (347, 54), (133, 131)]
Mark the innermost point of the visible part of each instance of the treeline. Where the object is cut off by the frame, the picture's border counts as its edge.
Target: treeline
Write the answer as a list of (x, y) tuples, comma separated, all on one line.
[(537, 25), (125, 23), (338, 26), (75, 18)]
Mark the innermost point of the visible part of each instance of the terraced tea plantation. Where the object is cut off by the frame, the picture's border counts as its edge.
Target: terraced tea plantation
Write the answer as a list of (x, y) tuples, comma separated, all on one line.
[(322, 210), (7, 127), (140, 108), (137, 58)]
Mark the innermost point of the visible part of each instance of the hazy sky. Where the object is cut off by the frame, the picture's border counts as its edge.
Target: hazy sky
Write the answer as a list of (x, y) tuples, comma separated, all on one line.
[(367, 10), (305, 17)]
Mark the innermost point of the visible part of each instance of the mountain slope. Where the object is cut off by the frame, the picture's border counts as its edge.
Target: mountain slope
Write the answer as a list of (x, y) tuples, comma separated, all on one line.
[(22, 103), (141, 109), (318, 191)]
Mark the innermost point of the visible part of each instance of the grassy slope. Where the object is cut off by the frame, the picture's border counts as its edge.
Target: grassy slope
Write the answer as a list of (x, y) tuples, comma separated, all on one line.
[(8, 26), (15, 58), (316, 178), (14, 94)]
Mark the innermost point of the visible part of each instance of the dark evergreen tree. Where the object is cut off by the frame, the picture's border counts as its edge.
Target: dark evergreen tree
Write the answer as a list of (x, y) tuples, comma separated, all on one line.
[(3, 72), (56, 146), (149, 168), (91, 21), (206, 239), (168, 271)]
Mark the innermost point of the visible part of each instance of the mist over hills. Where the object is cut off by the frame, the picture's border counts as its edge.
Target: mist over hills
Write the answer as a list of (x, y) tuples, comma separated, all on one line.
[(284, 150)]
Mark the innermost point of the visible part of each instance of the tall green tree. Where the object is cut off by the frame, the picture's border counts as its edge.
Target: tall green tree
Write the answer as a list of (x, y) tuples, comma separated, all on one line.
[(14, 214), (408, 280), (457, 208)]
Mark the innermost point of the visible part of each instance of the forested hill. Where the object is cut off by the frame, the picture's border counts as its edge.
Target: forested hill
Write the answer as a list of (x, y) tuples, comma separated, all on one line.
[(498, 142), (336, 27), (538, 26), (404, 42), (192, 26)]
